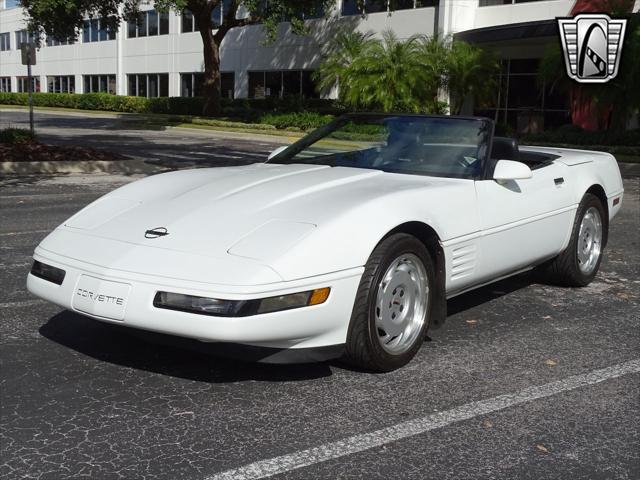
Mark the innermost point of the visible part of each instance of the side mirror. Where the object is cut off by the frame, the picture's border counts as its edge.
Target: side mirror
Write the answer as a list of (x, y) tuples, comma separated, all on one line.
[(277, 151), (510, 170)]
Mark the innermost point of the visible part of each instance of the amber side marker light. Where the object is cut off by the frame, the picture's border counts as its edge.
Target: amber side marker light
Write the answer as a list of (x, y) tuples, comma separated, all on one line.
[(319, 296)]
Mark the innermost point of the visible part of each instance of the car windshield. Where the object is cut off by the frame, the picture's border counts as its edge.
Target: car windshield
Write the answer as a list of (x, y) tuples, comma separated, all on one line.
[(420, 145)]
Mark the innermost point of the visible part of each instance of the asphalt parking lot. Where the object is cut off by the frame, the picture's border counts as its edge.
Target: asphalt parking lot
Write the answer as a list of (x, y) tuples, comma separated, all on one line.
[(524, 381)]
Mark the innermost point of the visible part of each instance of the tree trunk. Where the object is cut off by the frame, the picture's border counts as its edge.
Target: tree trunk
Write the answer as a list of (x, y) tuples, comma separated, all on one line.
[(211, 44)]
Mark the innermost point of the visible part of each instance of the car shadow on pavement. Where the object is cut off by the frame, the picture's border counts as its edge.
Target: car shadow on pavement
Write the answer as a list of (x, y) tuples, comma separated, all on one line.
[(165, 354), (200, 361), (490, 292)]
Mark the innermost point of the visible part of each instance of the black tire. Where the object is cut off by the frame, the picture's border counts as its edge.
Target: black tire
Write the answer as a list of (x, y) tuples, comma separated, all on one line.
[(363, 349), (564, 269)]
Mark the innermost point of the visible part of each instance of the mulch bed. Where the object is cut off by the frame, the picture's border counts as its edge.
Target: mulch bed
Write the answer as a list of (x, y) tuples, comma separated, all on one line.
[(33, 151)]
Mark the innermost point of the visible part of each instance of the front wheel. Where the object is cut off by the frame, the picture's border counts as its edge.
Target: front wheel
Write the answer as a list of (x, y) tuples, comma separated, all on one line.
[(391, 313), (578, 265)]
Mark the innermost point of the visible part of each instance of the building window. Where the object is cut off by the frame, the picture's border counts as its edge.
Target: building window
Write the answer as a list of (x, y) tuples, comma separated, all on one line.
[(23, 84), (149, 85), (217, 17), (52, 42), (522, 103), (5, 41), (375, 6), (282, 83), (492, 3), (100, 84), (188, 22), (11, 3), (148, 24), (96, 30), (5, 84), (426, 3), (351, 7), (191, 84), (23, 36), (61, 84)]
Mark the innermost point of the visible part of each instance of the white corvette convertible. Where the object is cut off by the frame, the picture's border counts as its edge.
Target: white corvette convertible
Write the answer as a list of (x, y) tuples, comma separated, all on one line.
[(347, 242)]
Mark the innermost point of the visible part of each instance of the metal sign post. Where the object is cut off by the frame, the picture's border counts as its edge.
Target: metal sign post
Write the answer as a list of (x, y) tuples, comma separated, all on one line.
[(28, 51)]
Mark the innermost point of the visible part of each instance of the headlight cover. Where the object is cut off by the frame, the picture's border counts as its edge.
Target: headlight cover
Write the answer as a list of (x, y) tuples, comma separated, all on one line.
[(239, 308)]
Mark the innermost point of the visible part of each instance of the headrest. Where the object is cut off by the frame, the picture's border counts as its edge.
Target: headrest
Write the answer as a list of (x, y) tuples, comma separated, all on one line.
[(505, 149)]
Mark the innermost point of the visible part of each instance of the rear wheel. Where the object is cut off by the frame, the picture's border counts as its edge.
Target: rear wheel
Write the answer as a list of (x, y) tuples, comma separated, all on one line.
[(579, 263), (393, 305)]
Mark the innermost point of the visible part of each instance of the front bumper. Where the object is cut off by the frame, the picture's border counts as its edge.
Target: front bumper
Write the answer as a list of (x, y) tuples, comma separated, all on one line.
[(300, 328)]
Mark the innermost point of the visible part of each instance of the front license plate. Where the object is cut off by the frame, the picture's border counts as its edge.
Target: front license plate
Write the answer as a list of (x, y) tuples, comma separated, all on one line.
[(101, 298)]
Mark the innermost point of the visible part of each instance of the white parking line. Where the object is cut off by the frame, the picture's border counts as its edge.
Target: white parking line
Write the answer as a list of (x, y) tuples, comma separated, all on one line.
[(40, 196), (29, 232), (6, 266), (366, 441), (24, 303)]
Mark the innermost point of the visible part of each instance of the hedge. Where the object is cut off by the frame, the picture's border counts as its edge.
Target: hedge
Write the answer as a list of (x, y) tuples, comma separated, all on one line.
[(245, 109), (300, 121), (574, 135)]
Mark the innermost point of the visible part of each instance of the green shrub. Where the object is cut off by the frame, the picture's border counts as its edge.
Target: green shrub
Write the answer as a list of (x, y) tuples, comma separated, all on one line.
[(574, 135), (12, 136), (301, 120), (212, 122), (248, 110)]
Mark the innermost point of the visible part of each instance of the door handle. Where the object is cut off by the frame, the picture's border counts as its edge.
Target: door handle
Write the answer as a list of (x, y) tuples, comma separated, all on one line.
[(558, 181)]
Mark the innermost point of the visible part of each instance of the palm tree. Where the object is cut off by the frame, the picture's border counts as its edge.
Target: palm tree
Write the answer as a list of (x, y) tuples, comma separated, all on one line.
[(387, 76), (341, 53), (433, 55), (390, 74), (471, 72)]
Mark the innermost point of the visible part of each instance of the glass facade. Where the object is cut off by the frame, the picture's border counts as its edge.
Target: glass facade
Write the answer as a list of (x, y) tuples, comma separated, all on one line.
[(23, 84), (100, 84), (217, 17), (191, 84), (148, 24), (352, 7), (523, 102), (148, 85), (5, 84), (52, 42), (492, 3), (5, 41), (23, 36), (96, 30), (61, 84), (282, 83)]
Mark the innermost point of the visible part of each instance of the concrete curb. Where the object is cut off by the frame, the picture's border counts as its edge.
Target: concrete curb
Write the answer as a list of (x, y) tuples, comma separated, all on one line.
[(122, 167)]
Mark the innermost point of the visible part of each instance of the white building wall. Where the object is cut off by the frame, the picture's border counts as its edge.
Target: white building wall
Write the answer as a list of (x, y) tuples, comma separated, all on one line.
[(521, 12), (242, 50)]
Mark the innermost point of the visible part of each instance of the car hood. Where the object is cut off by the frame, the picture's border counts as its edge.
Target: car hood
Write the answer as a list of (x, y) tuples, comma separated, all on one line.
[(208, 211), (257, 213)]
